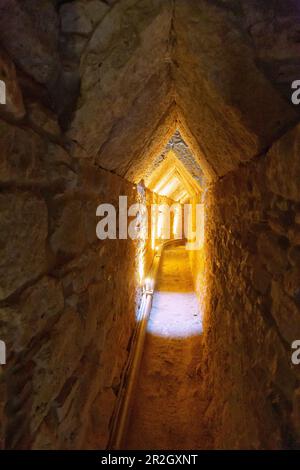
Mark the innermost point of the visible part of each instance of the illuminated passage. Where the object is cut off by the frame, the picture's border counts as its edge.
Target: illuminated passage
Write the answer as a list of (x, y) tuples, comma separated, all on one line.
[(175, 309), (166, 405)]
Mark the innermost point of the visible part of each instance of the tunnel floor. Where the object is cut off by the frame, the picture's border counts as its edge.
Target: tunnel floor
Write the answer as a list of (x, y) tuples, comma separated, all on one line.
[(167, 405)]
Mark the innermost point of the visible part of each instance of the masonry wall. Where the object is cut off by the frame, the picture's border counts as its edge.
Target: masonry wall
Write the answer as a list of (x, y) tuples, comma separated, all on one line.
[(197, 257), (253, 301), (66, 330), (67, 299), (67, 333)]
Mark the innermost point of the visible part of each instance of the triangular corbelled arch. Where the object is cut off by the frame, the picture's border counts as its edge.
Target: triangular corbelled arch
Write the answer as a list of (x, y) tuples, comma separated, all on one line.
[(152, 67), (171, 179), (175, 173)]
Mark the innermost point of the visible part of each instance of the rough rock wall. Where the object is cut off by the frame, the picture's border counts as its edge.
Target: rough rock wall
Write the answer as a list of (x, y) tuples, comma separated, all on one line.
[(253, 303), (65, 329), (197, 263), (197, 256), (67, 299), (129, 55), (234, 62), (125, 105)]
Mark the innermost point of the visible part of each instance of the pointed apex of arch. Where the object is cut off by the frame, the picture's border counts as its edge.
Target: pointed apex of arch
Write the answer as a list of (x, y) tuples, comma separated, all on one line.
[(202, 67), (175, 173)]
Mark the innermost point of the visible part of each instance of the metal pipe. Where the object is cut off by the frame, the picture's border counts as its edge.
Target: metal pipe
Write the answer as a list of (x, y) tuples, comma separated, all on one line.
[(123, 422), (128, 381)]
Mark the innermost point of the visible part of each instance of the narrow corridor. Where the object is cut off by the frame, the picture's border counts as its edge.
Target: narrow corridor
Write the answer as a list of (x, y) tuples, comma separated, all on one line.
[(126, 124), (166, 406)]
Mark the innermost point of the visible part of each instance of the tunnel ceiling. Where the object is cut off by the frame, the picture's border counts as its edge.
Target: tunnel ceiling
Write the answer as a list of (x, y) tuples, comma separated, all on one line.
[(181, 152), (219, 71), (175, 173), (173, 180)]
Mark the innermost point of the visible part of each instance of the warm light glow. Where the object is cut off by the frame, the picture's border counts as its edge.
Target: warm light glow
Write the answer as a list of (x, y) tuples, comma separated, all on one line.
[(149, 284), (163, 181), (172, 179), (160, 224), (175, 225), (170, 188), (143, 223), (177, 222), (175, 315), (141, 268), (153, 227), (153, 240)]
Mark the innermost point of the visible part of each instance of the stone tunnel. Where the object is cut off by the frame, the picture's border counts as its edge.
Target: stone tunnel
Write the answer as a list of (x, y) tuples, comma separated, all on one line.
[(159, 101)]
